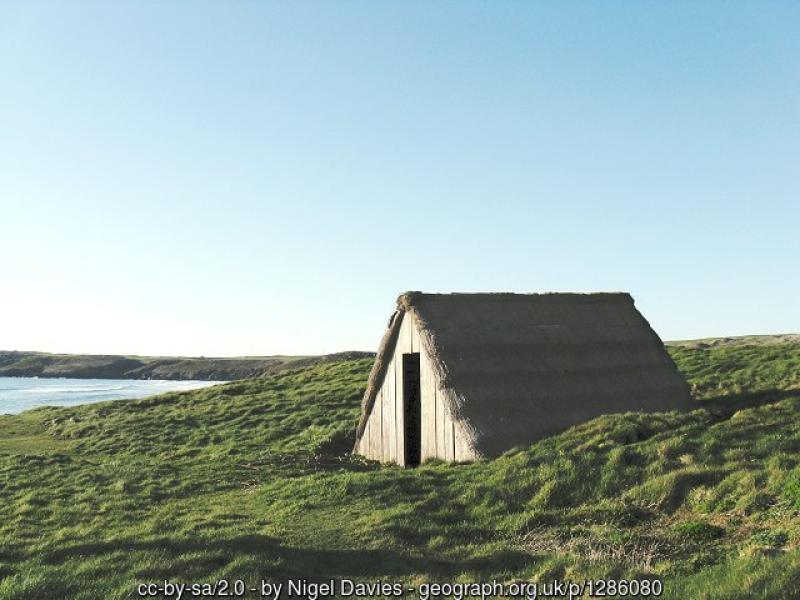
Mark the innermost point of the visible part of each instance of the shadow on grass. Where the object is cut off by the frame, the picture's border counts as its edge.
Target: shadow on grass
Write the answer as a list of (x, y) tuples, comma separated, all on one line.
[(723, 407), (200, 557)]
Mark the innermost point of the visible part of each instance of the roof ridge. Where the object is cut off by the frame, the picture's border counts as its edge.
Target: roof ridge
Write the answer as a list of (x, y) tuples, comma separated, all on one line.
[(410, 298)]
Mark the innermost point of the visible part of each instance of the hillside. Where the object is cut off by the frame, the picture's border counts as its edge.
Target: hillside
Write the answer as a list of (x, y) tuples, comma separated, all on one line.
[(252, 479), (740, 340), (100, 366)]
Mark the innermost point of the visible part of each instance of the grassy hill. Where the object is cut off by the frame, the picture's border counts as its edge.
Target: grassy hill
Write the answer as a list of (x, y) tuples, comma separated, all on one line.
[(739, 340), (103, 366), (252, 480)]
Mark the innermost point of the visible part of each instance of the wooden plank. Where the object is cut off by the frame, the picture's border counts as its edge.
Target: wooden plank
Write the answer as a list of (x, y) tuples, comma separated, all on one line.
[(365, 441), (368, 435), (377, 426), (423, 405), (448, 453), (393, 392), (437, 417), (400, 424), (430, 391), (404, 338), (436, 413), (428, 414), (386, 424), (441, 419), (370, 441), (451, 449)]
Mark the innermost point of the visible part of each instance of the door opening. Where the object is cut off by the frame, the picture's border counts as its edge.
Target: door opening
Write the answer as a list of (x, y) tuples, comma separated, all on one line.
[(412, 409)]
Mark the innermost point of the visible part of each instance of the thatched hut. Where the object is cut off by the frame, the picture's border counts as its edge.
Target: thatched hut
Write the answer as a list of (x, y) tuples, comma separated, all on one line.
[(462, 376)]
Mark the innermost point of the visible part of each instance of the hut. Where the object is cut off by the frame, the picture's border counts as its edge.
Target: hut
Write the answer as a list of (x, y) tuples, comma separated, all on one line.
[(463, 376)]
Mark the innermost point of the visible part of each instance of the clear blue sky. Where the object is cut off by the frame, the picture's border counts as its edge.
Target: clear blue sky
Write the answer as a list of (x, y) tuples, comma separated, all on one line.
[(229, 178)]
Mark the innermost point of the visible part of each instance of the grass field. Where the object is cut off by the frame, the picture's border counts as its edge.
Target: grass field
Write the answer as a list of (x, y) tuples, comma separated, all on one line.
[(252, 480)]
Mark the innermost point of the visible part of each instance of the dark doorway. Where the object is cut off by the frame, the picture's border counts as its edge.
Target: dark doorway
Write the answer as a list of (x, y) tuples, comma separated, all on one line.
[(412, 407)]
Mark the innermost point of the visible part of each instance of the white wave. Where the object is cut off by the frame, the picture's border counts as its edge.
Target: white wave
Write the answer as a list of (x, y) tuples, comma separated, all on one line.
[(75, 390)]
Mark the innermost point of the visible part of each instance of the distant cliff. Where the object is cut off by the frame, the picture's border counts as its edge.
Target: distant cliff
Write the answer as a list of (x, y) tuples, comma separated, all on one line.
[(97, 366)]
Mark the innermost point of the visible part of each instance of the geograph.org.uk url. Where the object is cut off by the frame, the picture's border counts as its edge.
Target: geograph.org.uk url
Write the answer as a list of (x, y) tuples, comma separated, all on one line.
[(348, 588), (555, 588)]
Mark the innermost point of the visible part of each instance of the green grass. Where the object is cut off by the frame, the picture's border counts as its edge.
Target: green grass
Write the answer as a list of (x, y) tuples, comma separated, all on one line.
[(252, 480), (26, 434), (740, 370)]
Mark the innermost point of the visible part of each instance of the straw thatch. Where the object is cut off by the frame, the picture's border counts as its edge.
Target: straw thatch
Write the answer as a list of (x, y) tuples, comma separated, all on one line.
[(517, 367)]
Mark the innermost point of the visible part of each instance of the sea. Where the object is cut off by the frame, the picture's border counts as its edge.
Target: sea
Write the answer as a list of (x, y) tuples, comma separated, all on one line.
[(22, 393)]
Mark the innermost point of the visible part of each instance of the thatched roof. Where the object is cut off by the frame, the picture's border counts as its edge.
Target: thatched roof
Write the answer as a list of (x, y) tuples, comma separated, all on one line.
[(517, 367)]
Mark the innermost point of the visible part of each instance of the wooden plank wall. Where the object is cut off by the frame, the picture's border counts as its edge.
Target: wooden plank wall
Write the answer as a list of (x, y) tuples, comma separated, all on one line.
[(383, 437), (388, 417)]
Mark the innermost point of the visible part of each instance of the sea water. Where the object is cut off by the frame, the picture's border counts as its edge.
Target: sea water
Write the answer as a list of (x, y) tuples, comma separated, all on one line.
[(22, 393)]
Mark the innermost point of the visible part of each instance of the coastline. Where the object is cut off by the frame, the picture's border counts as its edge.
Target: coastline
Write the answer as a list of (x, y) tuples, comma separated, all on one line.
[(95, 366), (19, 394)]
